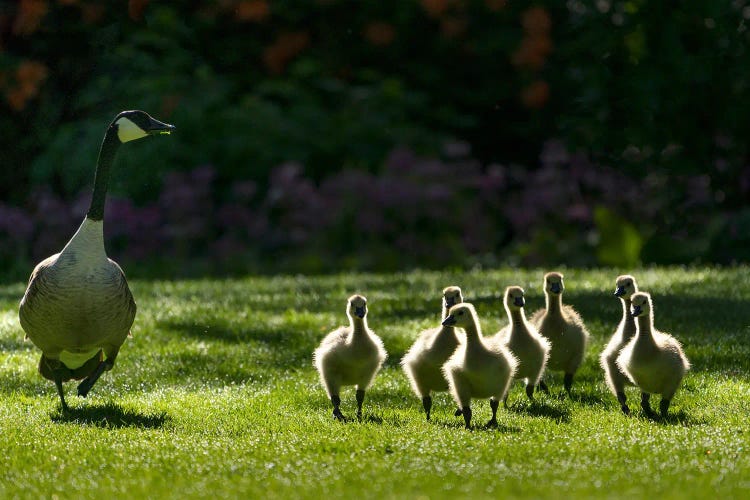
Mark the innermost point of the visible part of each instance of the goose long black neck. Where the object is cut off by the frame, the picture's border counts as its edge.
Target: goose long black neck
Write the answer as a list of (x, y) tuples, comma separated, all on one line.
[(110, 144)]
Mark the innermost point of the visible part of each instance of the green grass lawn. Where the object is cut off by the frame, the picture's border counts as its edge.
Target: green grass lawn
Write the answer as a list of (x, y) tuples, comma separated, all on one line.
[(215, 396)]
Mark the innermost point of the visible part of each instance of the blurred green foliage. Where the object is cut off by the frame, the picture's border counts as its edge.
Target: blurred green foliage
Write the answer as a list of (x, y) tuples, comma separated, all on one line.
[(657, 90)]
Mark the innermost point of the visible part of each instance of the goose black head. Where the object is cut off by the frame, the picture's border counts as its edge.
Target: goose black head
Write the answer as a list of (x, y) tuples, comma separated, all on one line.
[(625, 286), (460, 315), (553, 283), (452, 296), (514, 297), (640, 304), (357, 306), (134, 124)]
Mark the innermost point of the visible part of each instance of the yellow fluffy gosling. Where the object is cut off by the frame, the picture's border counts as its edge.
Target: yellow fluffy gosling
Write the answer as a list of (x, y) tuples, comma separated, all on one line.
[(349, 355), (523, 341), (564, 328), (424, 361), (625, 287), (477, 369), (653, 360)]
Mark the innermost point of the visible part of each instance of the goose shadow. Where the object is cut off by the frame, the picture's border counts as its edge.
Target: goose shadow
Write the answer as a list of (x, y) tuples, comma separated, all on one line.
[(540, 409), (111, 416), (458, 423), (680, 418)]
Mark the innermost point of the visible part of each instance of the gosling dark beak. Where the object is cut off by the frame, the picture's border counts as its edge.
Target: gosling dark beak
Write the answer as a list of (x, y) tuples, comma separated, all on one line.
[(449, 321), (555, 287), (359, 312), (519, 302), (636, 311), (620, 291), (155, 127)]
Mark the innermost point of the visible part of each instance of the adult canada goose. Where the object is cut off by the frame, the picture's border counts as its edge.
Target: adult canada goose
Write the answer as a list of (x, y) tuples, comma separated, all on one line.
[(564, 328), (78, 308), (653, 360), (350, 355), (424, 361)]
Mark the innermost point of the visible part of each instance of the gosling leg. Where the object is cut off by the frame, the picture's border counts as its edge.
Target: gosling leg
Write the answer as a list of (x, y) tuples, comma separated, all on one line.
[(568, 382), (427, 405), (646, 404), (543, 387), (360, 400), (664, 406), (466, 412), (623, 402), (336, 400), (457, 413), (530, 391), (494, 403), (85, 386)]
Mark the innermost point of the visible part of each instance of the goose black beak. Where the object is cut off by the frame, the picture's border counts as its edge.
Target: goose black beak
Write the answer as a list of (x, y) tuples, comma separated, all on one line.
[(155, 127), (519, 302), (636, 311), (359, 312), (555, 287), (449, 321), (620, 291)]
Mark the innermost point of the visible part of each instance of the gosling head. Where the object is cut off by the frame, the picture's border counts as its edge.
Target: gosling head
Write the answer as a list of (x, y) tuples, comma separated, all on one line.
[(460, 315), (452, 296), (514, 298), (625, 286), (135, 124), (553, 283), (640, 304), (357, 307)]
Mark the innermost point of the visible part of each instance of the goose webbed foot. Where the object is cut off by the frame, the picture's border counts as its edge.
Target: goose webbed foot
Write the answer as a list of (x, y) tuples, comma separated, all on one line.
[(623, 402), (664, 407), (427, 405), (543, 387), (568, 382), (646, 404), (86, 384)]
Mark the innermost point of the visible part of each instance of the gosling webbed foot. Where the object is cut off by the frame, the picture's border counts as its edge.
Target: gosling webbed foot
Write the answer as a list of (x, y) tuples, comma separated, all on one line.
[(338, 415), (457, 413), (466, 412), (492, 424), (646, 404), (427, 405), (623, 402), (664, 407)]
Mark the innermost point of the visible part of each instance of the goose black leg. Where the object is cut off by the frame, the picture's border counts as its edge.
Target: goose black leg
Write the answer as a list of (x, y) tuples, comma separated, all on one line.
[(466, 412), (360, 400), (427, 405), (543, 387), (646, 404), (623, 403), (568, 382), (664, 407), (530, 391), (86, 384), (336, 400), (494, 403), (58, 384)]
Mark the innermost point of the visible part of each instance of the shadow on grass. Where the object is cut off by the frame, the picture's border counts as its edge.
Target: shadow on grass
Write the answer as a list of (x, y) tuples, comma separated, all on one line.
[(540, 409), (110, 416), (680, 418)]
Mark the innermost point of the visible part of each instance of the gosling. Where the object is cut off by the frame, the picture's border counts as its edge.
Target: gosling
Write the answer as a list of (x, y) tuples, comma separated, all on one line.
[(625, 287), (564, 328), (424, 361), (523, 341), (653, 360), (477, 369), (350, 355)]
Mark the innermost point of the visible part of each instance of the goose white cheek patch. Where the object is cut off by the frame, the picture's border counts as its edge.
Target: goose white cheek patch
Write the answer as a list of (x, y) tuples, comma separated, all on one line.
[(129, 131)]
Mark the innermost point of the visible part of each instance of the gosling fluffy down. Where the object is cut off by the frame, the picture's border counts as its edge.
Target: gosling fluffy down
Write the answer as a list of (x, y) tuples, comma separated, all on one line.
[(477, 369), (350, 355), (523, 341), (564, 328), (424, 361), (653, 360), (625, 287)]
